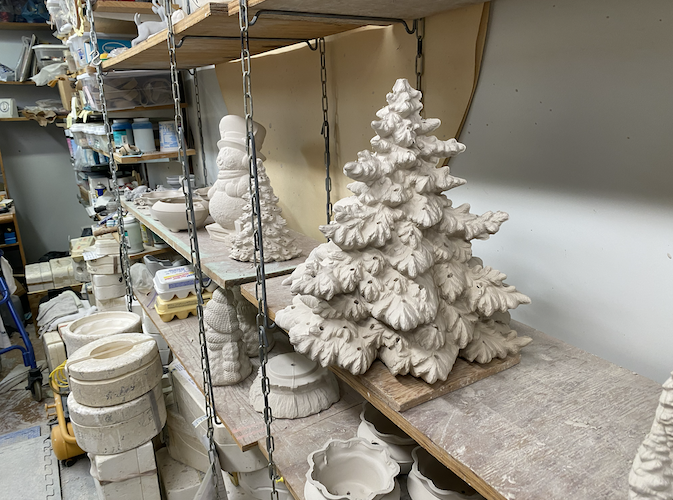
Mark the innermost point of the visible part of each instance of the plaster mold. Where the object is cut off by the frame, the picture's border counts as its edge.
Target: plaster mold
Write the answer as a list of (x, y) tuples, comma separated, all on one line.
[(351, 470), (114, 370), (179, 481), (145, 487), (651, 476), (299, 387), (120, 428), (397, 280), (376, 427), (429, 479), (183, 443), (97, 326), (229, 362), (122, 466), (171, 212)]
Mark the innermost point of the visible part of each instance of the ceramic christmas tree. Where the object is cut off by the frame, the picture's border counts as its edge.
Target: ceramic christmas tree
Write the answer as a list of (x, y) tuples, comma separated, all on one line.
[(397, 281), (278, 242), (651, 476), (229, 362)]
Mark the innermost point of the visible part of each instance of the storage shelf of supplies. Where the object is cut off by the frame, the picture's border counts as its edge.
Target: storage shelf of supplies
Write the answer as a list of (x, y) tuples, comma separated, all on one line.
[(146, 157), (524, 433), (215, 263), (299, 437)]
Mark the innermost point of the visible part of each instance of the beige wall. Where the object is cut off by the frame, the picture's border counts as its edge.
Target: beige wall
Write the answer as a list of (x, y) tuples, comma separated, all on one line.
[(362, 67)]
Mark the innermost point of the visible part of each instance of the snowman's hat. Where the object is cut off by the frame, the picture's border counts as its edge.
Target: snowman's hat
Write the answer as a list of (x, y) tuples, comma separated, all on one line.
[(232, 134)]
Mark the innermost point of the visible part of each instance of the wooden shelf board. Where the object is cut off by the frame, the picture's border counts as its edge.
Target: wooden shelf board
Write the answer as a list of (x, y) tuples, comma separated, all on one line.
[(299, 437), (25, 26), (27, 82), (213, 19), (8, 217), (526, 432), (24, 119), (402, 9), (9, 245), (215, 263), (159, 155)]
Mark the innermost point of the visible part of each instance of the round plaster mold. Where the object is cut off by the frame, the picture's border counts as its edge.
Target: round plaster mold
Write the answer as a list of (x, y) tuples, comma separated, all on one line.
[(97, 326), (429, 479), (114, 370), (378, 429), (119, 428), (355, 469), (299, 387)]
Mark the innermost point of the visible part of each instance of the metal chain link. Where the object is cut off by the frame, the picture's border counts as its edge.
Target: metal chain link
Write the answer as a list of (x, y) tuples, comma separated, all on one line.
[(325, 128), (419, 64), (198, 123), (123, 237), (263, 326), (194, 249)]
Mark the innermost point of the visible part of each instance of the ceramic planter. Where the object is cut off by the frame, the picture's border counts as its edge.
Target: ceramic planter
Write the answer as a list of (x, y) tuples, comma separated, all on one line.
[(171, 212), (378, 429), (351, 470), (299, 387), (429, 479)]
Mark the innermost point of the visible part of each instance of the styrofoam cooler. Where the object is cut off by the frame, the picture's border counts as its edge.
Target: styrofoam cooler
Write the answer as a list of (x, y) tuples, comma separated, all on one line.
[(191, 406)]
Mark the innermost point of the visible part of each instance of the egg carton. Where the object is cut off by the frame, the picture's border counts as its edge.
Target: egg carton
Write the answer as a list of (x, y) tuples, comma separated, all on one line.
[(178, 308)]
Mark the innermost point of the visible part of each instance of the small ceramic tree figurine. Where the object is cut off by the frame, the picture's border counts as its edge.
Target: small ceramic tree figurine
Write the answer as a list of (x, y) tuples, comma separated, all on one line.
[(278, 242), (651, 476), (229, 362), (397, 280)]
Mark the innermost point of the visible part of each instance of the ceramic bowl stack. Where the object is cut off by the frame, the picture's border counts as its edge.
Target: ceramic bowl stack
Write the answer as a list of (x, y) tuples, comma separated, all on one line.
[(176, 292), (116, 407), (109, 288)]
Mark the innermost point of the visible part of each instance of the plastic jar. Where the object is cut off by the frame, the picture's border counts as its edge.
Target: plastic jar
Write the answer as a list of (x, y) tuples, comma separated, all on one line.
[(143, 134), (168, 136), (122, 132), (134, 237)]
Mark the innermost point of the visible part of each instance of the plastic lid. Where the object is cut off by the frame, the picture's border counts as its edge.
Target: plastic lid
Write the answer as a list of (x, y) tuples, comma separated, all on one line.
[(120, 120), (142, 125), (140, 120)]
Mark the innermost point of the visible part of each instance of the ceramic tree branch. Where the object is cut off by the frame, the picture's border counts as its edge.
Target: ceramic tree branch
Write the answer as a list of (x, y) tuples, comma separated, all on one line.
[(398, 281), (651, 476)]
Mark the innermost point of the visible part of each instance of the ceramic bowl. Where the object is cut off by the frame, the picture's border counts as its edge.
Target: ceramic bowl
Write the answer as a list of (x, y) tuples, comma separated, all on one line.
[(429, 479), (171, 213), (351, 470), (299, 387), (85, 330), (377, 428), (257, 485)]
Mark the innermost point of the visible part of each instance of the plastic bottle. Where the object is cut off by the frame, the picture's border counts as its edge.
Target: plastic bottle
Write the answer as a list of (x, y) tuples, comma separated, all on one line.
[(143, 135)]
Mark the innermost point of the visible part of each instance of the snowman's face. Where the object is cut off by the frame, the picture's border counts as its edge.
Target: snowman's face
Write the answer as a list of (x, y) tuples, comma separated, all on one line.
[(232, 159)]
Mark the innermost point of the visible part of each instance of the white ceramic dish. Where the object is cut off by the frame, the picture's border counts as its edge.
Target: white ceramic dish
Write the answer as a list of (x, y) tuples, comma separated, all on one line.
[(430, 480), (377, 428), (149, 199), (172, 213), (351, 470)]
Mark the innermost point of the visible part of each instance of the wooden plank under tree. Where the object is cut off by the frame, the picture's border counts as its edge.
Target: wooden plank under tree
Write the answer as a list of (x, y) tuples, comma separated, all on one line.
[(399, 392)]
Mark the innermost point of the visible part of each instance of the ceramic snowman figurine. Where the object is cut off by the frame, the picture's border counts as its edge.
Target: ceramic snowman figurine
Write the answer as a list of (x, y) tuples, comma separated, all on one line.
[(226, 195)]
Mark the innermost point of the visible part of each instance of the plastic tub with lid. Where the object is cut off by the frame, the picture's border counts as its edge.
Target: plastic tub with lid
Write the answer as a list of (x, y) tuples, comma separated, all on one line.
[(143, 135), (79, 133), (49, 54)]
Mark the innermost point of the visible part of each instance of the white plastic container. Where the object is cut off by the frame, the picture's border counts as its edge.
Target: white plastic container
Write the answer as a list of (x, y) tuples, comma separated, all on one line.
[(174, 282), (77, 46), (143, 135), (168, 137), (8, 108)]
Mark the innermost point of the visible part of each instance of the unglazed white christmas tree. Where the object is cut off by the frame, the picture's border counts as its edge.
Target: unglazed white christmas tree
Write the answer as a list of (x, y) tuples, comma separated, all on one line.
[(651, 476), (279, 244), (397, 281)]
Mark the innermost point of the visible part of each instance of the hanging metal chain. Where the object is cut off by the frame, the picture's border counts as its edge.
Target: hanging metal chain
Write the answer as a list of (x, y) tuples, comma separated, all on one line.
[(263, 326), (123, 238), (325, 128), (194, 250), (198, 123), (419, 65)]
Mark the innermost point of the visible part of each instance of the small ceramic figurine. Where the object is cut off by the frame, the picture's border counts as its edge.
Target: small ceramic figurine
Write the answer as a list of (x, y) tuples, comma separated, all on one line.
[(230, 196), (398, 281), (149, 28), (651, 476)]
